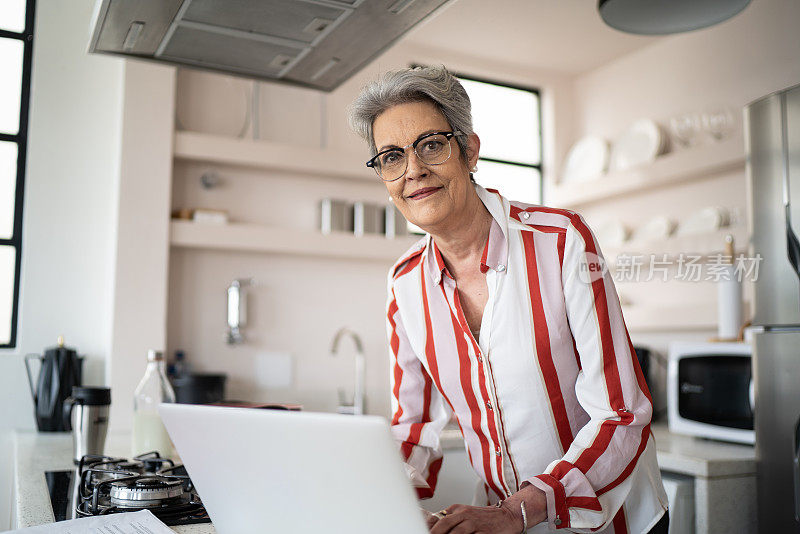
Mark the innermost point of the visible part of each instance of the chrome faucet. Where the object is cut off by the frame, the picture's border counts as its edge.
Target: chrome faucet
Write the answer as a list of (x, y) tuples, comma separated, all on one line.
[(357, 406), (237, 310)]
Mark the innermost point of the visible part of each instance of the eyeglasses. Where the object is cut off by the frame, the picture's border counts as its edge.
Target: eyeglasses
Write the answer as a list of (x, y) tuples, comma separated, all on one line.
[(431, 149)]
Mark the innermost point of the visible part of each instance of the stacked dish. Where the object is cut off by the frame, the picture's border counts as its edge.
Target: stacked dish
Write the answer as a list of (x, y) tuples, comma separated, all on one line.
[(641, 143), (586, 160), (654, 229), (704, 221), (591, 157)]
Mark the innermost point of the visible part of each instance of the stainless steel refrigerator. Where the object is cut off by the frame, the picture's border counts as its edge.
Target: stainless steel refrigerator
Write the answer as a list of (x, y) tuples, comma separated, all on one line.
[(772, 139)]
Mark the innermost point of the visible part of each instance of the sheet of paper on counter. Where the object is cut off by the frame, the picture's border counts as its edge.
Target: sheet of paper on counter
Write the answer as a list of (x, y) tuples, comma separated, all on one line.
[(143, 522)]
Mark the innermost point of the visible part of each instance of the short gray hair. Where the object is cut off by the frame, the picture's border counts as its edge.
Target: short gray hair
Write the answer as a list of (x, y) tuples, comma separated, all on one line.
[(418, 84)]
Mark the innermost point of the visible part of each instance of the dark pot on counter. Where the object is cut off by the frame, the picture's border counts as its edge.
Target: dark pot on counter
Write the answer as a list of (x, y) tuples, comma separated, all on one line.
[(199, 388), (60, 369)]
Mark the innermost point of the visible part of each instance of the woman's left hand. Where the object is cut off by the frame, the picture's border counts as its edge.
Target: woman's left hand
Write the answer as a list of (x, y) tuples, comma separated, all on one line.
[(463, 519)]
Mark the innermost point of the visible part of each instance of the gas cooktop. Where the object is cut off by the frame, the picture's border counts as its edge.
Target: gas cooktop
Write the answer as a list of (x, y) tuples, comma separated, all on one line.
[(105, 485)]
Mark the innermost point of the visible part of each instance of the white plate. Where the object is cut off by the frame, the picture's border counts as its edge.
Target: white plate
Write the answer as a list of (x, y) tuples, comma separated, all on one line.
[(704, 221), (639, 144), (587, 159), (659, 227)]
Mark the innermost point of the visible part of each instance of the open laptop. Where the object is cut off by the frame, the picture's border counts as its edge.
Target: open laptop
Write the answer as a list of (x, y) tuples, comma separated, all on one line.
[(267, 471)]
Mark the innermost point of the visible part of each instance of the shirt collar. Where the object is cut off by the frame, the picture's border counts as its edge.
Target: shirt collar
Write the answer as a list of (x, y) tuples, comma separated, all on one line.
[(495, 252), (434, 263)]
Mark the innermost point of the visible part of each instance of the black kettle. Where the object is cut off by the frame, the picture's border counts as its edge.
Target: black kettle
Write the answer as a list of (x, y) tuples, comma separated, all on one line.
[(60, 370)]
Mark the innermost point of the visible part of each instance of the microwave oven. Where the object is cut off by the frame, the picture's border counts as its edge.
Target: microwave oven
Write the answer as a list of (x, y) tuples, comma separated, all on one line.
[(710, 390)]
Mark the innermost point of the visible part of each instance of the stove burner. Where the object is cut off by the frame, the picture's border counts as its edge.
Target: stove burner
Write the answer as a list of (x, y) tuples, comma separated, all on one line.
[(109, 485), (145, 491)]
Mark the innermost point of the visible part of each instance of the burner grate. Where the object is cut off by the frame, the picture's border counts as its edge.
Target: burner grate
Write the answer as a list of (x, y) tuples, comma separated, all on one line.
[(108, 485)]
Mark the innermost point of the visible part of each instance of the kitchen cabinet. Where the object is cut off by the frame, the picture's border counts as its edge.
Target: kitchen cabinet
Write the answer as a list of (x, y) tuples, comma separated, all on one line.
[(724, 477)]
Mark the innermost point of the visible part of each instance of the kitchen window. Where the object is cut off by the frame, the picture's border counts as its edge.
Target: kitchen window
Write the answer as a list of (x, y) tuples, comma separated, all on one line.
[(16, 44), (508, 120)]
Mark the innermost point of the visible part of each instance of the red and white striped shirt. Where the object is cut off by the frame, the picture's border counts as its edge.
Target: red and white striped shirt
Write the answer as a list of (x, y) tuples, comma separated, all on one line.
[(551, 394)]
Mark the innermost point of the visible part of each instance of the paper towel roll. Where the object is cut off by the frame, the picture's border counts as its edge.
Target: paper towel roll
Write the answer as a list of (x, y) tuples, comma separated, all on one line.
[(729, 303)]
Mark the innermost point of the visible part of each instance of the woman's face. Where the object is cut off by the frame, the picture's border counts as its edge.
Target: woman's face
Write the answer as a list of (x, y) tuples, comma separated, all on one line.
[(430, 196)]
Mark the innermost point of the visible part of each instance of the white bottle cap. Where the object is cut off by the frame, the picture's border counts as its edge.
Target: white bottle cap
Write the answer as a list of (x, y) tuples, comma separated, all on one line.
[(154, 355)]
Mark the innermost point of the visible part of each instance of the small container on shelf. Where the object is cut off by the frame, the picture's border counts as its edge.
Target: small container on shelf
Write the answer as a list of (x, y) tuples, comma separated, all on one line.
[(394, 224), (201, 215), (335, 216), (210, 216), (368, 218), (729, 296)]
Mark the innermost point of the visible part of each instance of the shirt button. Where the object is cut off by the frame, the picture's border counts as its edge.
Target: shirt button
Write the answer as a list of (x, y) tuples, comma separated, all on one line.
[(525, 214), (497, 451), (489, 404), (480, 358), (501, 268), (557, 521)]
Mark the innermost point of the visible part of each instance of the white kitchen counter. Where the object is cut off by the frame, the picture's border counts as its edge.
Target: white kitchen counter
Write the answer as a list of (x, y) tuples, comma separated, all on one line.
[(37, 452), (702, 457)]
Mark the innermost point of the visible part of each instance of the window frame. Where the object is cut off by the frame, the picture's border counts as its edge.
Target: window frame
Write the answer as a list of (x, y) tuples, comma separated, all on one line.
[(21, 140), (537, 92)]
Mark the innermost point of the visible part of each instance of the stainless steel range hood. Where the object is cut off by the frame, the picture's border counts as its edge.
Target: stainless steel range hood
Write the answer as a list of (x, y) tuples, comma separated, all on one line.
[(311, 43)]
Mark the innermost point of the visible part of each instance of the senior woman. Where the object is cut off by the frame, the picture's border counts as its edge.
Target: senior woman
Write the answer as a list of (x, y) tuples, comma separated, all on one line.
[(504, 315)]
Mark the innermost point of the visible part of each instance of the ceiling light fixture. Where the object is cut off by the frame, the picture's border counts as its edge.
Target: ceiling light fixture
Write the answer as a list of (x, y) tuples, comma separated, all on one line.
[(661, 17)]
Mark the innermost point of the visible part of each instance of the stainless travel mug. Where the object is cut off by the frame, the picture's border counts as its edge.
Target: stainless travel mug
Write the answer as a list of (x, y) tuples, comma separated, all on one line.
[(87, 410)]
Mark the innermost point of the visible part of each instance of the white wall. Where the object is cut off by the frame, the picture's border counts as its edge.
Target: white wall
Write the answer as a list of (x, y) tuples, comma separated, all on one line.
[(70, 211)]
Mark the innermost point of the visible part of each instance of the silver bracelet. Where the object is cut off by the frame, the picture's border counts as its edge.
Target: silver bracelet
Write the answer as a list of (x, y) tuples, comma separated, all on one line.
[(524, 515)]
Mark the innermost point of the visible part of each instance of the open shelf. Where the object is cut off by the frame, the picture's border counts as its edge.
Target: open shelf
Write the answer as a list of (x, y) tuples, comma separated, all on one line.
[(193, 146), (260, 238), (696, 163), (706, 245)]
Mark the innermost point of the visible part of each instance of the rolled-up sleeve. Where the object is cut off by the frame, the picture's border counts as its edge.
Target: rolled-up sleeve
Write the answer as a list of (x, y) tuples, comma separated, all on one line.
[(587, 486), (418, 409)]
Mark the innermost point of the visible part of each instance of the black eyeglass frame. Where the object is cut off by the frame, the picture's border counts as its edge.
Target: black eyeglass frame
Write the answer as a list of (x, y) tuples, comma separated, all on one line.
[(372, 160)]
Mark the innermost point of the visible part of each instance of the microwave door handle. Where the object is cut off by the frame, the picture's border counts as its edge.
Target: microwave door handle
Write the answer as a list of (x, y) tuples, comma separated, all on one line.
[(792, 243)]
